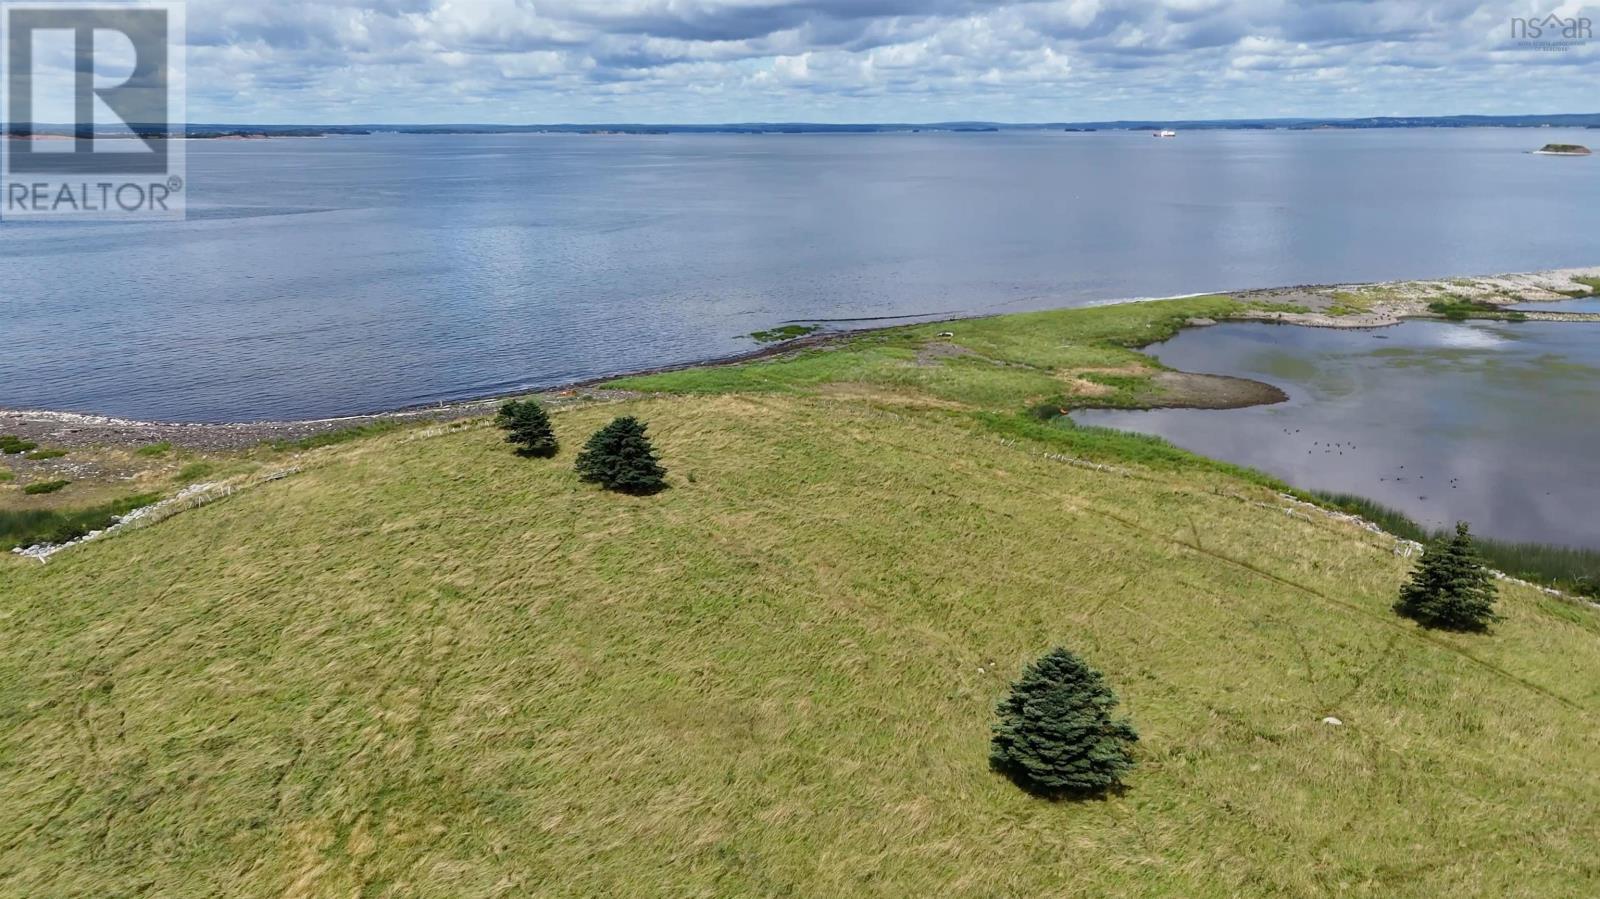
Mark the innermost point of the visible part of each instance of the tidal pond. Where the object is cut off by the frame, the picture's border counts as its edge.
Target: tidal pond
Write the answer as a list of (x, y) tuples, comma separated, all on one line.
[(1493, 423)]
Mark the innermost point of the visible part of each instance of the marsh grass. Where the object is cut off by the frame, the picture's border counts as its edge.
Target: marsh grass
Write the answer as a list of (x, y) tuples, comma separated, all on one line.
[(1458, 308), (1564, 567), (1010, 362), (1112, 446)]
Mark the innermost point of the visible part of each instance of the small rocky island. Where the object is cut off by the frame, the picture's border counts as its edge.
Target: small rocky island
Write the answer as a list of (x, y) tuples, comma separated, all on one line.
[(1563, 150)]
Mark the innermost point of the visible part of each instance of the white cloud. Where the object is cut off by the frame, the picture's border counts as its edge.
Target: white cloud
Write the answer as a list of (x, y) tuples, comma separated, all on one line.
[(865, 60)]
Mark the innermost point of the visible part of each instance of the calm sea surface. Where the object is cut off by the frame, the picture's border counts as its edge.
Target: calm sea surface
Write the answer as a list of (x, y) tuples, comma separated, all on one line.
[(1497, 424), (323, 277)]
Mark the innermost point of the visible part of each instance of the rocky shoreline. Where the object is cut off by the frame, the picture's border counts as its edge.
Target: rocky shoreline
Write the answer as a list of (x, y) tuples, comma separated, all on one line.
[(1388, 303)]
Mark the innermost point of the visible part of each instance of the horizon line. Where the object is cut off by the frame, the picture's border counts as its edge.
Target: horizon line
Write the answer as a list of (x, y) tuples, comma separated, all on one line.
[(753, 123)]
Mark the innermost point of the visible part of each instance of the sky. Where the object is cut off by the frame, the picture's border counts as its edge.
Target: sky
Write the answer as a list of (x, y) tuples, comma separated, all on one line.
[(705, 61)]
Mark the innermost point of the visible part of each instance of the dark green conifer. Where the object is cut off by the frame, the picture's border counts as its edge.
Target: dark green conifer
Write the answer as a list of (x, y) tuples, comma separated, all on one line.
[(620, 457), (528, 428), (1451, 589), (1056, 736)]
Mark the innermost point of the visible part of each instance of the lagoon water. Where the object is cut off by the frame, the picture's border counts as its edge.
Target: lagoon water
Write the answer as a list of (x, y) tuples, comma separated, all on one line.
[(342, 275), (1587, 304), (1497, 424)]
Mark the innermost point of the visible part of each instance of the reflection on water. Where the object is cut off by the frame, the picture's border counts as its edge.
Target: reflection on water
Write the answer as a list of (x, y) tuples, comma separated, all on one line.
[(1497, 424), (324, 277)]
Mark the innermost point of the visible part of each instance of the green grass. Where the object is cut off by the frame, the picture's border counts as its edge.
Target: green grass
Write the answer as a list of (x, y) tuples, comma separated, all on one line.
[(12, 445), (6, 475), (334, 438), (43, 454), (194, 472), (1568, 568), (1287, 308), (27, 527), (1113, 447), (154, 450), (1012, 362), (784, 332), (42, 487), (1456, 308), (1352, 303), (425, 666), (1592, 283)]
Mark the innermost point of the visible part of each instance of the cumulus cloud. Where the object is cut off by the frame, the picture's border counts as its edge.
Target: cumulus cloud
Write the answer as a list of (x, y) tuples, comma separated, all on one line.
[(872, 60)]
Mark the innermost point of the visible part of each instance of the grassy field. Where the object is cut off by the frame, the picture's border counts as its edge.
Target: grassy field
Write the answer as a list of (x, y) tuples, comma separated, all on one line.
[(424, 666)]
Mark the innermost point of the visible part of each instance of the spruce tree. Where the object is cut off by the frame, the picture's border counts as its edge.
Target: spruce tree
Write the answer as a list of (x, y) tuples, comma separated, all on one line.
[(1451, 588), (528, 428), (1056, 736), (620, 457)]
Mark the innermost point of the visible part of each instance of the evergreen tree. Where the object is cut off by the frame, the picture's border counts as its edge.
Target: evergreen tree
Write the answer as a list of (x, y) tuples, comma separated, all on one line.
[(528, 428), (1451, 588), (620, 457), (1056, 735)]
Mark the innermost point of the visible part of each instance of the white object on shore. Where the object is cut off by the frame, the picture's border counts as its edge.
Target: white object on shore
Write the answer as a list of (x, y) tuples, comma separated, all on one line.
[(1165, 133)]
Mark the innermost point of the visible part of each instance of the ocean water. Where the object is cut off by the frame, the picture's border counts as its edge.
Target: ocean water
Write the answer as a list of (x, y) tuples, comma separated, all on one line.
[(1492, 423), (343, 275)]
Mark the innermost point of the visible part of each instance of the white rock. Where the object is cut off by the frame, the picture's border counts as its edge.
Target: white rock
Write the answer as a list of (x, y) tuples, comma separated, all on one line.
[(1332, 721)]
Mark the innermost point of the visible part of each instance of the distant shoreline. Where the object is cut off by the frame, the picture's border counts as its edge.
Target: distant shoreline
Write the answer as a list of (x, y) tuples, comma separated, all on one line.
[(218, 131)]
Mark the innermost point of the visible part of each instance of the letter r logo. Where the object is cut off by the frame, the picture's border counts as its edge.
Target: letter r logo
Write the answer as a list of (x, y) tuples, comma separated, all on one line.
[(140, 104)]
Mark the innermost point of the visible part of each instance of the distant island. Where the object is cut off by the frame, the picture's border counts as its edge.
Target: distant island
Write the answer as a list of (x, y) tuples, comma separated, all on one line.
[(237, 131), (1562, 150)]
